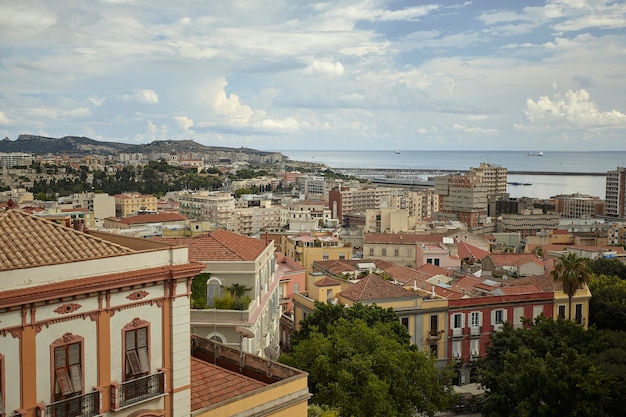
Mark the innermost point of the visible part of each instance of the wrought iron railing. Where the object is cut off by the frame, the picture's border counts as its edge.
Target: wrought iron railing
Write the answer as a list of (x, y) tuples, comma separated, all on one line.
[(137, 390), (85, 405)]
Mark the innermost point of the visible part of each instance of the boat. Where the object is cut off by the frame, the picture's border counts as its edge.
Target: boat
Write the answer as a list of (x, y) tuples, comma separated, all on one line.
[(398, 152), (532, 153)]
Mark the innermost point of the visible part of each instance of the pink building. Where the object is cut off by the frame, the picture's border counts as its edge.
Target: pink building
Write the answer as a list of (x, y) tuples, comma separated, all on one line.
[(436, 254)]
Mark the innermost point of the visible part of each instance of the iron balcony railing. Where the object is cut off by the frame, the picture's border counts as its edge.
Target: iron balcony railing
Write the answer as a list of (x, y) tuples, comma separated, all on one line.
[(85, 405), (138, 390)]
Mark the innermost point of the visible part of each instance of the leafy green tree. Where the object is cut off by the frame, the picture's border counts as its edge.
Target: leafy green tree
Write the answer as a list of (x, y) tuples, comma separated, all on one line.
[(608, 267), (572, 271), (322, 411), (366, 368), (607, 307), (199, 290), (549, 368)]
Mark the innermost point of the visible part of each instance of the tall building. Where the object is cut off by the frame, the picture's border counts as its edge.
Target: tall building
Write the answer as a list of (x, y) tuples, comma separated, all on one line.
[(91, 324), (345, 201), (464, 196), (578, 206), (215, 207), (615, 197), (494, 176), (131, 203)]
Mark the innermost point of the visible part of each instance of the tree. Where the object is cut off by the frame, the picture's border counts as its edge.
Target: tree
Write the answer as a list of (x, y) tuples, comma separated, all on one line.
[(572, 271), (609, 267), (607, 307), (549, 368), (353, 359)]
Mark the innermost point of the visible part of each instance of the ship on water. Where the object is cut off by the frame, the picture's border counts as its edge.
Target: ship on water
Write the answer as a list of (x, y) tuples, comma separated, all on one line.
[(533, 153)]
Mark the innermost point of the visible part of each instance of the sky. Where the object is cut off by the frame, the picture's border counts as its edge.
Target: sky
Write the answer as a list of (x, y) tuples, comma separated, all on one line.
[(302, 75)]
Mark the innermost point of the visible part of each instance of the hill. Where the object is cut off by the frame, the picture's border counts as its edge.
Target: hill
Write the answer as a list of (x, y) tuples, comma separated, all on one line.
[(78, 145)]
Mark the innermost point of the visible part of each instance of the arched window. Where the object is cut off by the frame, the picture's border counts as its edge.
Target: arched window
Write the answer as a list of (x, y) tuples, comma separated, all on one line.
[(218, 337), (213, 290)]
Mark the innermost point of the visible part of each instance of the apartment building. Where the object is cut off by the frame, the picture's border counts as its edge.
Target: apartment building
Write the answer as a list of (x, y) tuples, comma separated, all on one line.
[(91, 324), (494, 176), (528, 223), (230, 259), (578, 206), (399, 248), (615, 195), (102, 205), (11, 159), (215, 207), (313, 187), (464, 196), (307, 248), (344, 201), (131, 203)]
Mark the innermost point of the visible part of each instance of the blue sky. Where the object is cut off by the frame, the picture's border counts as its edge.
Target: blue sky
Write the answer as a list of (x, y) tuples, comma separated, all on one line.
[(339, 74)]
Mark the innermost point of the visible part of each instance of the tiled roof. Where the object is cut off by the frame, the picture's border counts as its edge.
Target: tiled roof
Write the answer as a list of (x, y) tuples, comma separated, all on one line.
[(373, 287), (337, 267), (29, 241), (401, 238), (327, 282), (471, 252), (212, 384), (221, 245), (511, 259), (152, 218)]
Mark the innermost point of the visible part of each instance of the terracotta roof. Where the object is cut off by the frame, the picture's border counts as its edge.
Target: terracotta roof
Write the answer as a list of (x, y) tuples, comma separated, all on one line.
[(510, 259), (29, 241), (373, 287), (212, 384), (401, 238), (327, 282), (152, 218), (221, 245), (471, 252), (337, 267)]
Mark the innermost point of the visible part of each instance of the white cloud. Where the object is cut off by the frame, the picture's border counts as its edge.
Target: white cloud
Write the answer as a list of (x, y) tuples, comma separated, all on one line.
[(184, 122), (574, 110), (4, 120), (146, 96), (334, 69), (96, 100), (474, 129)]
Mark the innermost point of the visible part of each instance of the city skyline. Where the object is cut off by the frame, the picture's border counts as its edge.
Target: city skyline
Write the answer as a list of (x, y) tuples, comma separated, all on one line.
[(369, 74)]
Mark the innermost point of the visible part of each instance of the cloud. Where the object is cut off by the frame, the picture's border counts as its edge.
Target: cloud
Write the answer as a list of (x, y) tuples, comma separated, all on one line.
[(4, 120), (146, 96), (184, 122), (96, 101), (474, 130), (573, 110), (334, 69)]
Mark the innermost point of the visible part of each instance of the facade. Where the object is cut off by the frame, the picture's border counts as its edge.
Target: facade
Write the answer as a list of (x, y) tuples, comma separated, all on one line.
[(528, 223), (92, 324), (399, 248), (129, 204), (517, 265), (494, 176), (615, 193), (229, 259), (308, 248), (102, 205), (11, 159), (156, 220), (437, 254), (578, 206), (389, 220), (464, 196), (313, 187), (215, 207), (344, 201)]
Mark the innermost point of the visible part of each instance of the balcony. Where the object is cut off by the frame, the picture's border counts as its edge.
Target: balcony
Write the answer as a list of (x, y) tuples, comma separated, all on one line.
[(457, 332), (434, 334), (86, 405), (137, 390), (476, 331), (498, 327)]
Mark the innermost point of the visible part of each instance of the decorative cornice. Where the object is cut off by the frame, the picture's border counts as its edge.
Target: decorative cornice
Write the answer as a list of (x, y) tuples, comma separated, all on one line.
[(137, 295), (67, 338), (67, 308), (137, 322)]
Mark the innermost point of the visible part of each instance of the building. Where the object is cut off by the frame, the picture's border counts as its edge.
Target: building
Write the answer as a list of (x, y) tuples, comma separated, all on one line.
[(131, 203), (11, 159), (615, 193), (215, 207), (151, 223), (494, 176), (92, 324), (345, 201), (578, 206), (102, 205), (528, 223), (307, 248), (437, 254), (399, 248), (230, 259), (464, 196)]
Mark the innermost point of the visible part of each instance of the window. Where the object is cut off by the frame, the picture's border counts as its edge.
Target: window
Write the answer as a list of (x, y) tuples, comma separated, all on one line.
[(456, 349), (213, 291), (137, 362), (457, 321), (434, 325), (475, 347), (537, 311), (384, 253), (296, 287), (476, 319), (578, 316), (371, 251), (396, 252), (429, 261), (329, 295), (433, 351), (437, 261), (405, 322), (561, 311), (68, 373), (499, 317)]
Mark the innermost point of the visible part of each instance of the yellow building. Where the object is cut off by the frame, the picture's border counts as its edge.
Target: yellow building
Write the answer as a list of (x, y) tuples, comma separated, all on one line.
[(129, 204), (579, 305), (306, 249)]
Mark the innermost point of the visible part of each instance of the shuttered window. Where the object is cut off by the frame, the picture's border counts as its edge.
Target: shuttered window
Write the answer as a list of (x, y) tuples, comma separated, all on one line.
[(68, 370), (137, 359)]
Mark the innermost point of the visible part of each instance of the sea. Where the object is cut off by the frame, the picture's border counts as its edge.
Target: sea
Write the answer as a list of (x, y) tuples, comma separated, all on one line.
[(541, 185)]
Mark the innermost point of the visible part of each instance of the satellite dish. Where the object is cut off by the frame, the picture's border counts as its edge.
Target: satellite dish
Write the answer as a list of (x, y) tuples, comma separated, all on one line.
[(244, 331), (271, 353)]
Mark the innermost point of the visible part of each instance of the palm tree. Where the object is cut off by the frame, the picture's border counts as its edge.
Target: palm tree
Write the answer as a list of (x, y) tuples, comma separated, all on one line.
[(572, 271)]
